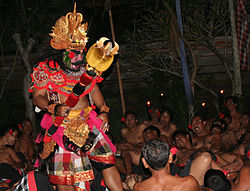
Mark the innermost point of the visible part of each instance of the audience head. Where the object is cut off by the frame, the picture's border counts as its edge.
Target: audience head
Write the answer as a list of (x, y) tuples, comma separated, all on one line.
[(216, 180), (11, 133), (166, 115), (198, 124), (25, 126), (130, 119), (151, 132), (181, 139), (244, 119), (231, 103), (154, 113), (216, 128), (156, 154), (220, 122)]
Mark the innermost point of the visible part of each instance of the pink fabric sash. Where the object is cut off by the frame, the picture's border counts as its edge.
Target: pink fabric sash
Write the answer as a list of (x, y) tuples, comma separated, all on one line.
[(46, 123)]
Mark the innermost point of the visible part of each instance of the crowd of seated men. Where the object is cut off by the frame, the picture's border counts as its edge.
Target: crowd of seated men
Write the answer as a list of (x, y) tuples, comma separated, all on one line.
[(207, 155)]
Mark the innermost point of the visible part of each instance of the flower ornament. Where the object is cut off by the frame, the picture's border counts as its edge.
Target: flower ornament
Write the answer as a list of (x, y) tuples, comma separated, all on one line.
[(190, 126), (122, 119), (11, 132), (20, 126), (221, 115), (71, 54), (173, 150)]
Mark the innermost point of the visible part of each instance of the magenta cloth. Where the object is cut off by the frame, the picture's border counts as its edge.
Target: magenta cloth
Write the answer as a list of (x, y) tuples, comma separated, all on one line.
[(97, 123), (46, 123)]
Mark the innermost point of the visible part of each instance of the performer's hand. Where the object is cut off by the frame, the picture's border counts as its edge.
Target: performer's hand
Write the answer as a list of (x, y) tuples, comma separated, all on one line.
[(105, 121), (62, 110)]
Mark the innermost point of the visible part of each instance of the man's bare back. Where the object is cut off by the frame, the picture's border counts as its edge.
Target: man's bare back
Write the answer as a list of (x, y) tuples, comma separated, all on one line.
[(168, 183), (157, 158)]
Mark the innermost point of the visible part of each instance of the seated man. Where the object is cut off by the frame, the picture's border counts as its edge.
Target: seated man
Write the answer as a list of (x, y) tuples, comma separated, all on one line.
[(132, 159), (9, 160), (157, 157), (132, 139), (226, 160), (167, 128), (190, 161), (25, 143), (154, 114), (198, 127), (131, 133)]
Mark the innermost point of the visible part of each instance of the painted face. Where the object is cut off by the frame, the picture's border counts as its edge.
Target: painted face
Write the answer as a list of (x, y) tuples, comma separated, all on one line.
[(76, 59), (197, 125), (130, 121), (12, 138), (165, 117), (181, 141)]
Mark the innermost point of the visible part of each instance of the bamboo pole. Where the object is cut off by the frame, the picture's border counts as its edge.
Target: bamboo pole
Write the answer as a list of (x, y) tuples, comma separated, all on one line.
[(117, 64)]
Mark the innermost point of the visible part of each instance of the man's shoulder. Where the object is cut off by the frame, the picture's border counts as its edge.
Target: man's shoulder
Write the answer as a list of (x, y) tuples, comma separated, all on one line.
[(142, 125), (124, 130), (190, 183), (144, 185)]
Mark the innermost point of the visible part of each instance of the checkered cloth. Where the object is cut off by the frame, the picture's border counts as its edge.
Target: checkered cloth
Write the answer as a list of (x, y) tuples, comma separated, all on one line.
[(67, 168), (242, 34), (34, 181)]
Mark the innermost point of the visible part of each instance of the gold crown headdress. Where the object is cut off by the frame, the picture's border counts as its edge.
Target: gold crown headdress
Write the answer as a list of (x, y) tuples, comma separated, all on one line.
[(69, 32)]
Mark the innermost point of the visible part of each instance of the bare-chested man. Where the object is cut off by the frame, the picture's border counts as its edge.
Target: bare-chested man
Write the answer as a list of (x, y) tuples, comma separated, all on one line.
[(167, 128), (7, 153), (228, 140), (231, 105), (9, 160), (198, 127), (132, 135), (25, 143), (189, 160), (157, 157), (226, 160), (132, 132)]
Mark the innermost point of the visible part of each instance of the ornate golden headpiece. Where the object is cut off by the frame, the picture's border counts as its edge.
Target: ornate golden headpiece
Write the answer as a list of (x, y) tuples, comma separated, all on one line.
[(101, 54), (69, 32)]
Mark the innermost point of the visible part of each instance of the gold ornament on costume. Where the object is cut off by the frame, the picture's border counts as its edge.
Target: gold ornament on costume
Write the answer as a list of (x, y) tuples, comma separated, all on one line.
[(69, 32), (76, 128), (101, 55)]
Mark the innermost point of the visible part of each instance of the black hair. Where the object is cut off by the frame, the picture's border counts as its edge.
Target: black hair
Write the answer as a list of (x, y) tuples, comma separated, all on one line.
[(198, 115), (233, 98), (216, 180), (130, 113), (156, 153), (180, 132), (169, 111), (6, 128), (152, 128)]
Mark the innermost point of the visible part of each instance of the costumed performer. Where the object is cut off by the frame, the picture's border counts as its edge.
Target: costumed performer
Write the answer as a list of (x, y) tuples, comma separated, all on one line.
[(60, 87)]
